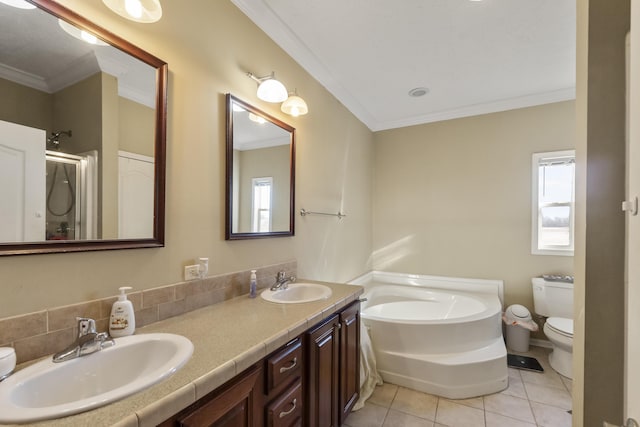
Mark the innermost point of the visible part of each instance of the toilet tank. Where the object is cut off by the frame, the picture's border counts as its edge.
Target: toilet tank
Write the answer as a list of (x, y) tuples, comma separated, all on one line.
[(552, 299)]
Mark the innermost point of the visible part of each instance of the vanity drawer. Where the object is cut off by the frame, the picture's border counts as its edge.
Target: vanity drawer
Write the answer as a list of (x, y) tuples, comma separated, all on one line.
[(286, 410), (285, 365)]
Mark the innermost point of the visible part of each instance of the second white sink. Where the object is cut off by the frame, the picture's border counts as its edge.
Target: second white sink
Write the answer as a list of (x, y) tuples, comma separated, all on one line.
[(47, 390), (298, 293)]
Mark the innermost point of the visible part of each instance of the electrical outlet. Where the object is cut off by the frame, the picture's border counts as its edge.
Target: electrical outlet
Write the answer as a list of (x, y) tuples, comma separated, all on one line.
[(191, 272)]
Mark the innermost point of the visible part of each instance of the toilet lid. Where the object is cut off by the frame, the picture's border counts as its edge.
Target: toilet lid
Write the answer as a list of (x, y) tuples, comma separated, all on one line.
[(561, 325)]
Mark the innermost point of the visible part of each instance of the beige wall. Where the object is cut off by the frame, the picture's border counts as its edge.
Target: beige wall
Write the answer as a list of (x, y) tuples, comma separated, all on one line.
[(26, 106), (208, 58), (266, 162), (136, 126), (454, 198)]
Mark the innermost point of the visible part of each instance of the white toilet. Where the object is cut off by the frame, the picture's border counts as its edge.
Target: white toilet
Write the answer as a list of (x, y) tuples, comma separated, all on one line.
[(554, 300)]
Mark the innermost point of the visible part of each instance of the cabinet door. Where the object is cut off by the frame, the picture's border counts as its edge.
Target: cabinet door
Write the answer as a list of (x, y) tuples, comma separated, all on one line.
[(349, 359), (323, 367), (237, 406)]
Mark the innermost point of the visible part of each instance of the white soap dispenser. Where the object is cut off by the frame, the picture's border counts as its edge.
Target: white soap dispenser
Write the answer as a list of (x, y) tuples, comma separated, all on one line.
[(252, 285), (122, 321)]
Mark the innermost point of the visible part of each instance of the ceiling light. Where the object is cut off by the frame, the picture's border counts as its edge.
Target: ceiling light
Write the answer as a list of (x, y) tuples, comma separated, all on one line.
[(20, 4), (80, 34), (418, 92), (270, 89), (144, 11), (294, 105)]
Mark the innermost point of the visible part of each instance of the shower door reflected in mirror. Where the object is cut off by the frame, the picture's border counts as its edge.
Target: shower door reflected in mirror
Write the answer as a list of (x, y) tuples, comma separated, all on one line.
[(260, 173), (70, 198)]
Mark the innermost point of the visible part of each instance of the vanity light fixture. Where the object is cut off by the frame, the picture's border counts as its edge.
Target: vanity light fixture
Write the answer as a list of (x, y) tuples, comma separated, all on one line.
[(294, 105), (144, 11), (20, 4), (270, 89), (257, 119), (80, 34)]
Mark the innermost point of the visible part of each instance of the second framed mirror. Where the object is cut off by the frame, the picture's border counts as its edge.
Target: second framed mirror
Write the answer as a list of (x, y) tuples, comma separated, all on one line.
[(260, 173)]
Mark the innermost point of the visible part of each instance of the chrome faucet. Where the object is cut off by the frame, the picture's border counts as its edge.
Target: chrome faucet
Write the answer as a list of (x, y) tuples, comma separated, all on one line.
[(282, 282), (88, 341)]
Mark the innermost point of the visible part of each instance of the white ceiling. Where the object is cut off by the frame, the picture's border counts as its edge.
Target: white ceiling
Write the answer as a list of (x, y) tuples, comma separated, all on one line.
[(36, 52), (475, 57)]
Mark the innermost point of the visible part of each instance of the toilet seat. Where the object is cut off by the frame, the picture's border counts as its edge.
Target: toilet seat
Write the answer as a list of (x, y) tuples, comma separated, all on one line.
[(561, 325)]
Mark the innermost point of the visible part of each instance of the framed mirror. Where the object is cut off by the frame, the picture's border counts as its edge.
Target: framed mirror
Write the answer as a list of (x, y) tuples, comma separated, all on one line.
[(82, 135), (260, 173)]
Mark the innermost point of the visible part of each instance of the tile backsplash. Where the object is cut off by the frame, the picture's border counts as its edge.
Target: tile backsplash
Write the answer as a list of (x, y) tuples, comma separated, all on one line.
[(38, 334)]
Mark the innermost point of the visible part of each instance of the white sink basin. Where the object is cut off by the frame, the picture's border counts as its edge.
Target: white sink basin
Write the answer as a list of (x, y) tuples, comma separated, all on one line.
[(47, 390), (298, 293)]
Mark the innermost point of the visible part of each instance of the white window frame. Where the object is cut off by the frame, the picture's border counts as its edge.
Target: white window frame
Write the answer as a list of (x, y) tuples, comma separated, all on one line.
[(255, 214), (536, 220)]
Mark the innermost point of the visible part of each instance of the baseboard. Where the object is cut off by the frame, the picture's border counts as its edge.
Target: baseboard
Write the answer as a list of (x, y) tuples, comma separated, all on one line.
[(540, 343)]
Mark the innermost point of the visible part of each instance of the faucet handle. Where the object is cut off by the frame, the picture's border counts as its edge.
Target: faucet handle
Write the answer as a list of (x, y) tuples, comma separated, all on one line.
[(86, 326)]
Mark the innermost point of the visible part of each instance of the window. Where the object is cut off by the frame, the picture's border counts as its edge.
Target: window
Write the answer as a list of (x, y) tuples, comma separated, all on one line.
[(553, 203), (261, 204)]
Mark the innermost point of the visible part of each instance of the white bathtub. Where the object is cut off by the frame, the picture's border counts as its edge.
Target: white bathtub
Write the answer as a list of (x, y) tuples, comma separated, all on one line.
[(434, 334)]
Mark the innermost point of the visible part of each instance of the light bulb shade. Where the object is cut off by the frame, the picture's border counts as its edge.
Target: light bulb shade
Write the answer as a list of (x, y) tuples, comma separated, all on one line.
[(295, 106), (144, 11), (80, 34), (271, 90), (20, 4)]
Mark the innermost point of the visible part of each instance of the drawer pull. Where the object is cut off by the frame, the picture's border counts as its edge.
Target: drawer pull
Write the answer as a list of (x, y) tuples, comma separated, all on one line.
[(292, 365), (285, 413)]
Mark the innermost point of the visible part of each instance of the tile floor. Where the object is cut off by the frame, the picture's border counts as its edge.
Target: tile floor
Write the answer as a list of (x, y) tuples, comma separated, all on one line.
[(532, 399)]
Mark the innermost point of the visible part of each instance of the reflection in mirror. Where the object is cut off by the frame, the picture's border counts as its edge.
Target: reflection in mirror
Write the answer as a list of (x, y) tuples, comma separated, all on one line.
[(260, 173), (82, 135)]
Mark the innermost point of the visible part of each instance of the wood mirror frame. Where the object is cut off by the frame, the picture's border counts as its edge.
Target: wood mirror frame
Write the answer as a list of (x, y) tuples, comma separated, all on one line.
[(232, 232), (157, 240)]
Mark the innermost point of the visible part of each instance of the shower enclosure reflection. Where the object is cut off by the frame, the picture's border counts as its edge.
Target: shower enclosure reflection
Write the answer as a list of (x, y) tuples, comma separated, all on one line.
[(70, 199)]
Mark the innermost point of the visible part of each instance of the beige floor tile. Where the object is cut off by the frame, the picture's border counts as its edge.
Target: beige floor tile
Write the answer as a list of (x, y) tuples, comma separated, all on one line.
[(383, 395), (548, 378), (474, 402), (509, 406), (454, 415), (550, 416), (400, 419), (516, 387), (415, 403), (369, 416), (567, 383), (514, 373), (497, 420), (553, 396)]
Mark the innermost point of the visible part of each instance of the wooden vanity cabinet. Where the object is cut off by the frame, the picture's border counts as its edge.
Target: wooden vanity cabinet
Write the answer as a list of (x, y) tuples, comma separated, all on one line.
[(311, 381), (333, 368), (349, 359), (236, 404), (283, 386), (323, 348)]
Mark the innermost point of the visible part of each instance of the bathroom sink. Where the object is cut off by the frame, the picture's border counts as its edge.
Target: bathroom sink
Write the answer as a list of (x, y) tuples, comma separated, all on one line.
[(47, 390), (298, 293)]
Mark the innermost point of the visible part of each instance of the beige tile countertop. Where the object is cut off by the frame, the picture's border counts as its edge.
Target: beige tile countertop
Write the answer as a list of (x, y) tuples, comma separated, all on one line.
[(228, 338)]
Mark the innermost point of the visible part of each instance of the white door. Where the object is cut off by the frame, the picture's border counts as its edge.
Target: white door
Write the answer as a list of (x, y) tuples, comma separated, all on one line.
[(22, 183), (632, 345), (135, 196)]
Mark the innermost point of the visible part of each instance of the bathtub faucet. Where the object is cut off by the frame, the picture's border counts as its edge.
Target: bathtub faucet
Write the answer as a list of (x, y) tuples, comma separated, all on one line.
[(282, 282)]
